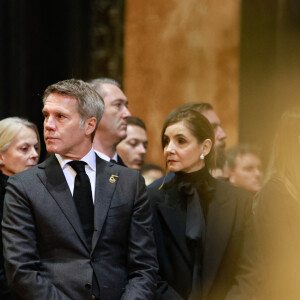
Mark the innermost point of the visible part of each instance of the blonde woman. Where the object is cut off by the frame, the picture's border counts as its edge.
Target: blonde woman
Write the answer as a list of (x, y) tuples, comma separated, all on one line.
[(277, 213), (19, 150)]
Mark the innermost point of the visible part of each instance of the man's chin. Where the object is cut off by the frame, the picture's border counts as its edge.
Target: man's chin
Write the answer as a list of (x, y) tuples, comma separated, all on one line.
[(122, 135), (51, 149)]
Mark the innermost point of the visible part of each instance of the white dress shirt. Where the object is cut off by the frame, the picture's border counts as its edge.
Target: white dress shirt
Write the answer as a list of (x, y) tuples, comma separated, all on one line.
[(105, 157), (70, 173)]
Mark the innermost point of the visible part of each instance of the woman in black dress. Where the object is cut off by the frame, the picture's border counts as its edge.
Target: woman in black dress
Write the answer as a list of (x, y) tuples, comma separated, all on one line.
[(277, 213), (202, 225), (19, 150)]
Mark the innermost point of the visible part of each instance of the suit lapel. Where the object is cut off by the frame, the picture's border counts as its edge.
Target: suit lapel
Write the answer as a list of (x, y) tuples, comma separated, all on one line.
[(218, 231), (175, 219), (54, 180), (105, 186)]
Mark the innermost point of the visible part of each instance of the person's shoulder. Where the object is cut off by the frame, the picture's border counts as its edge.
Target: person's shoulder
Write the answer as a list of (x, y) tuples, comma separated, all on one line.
[(124, 174), (272, 191), (273, 186), (158, 182), (157, 194), (30, 174), (231, 192)]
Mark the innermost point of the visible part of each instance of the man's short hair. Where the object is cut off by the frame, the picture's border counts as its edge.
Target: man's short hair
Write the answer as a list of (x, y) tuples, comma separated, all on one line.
[(241, 150), (90, 103), (136, 122), (98, 83)]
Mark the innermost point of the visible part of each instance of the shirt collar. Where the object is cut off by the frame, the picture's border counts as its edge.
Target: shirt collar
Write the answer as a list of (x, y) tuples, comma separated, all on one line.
[(89, 158), (107, 158)]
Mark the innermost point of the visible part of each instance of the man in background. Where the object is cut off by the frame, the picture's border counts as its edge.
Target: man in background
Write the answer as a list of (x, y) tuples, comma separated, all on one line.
[(244, 167), (113, 125), (133, 148)]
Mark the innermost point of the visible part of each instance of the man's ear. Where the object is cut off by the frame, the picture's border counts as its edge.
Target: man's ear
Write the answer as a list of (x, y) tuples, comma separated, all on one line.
[(206, 146), (90, 125)]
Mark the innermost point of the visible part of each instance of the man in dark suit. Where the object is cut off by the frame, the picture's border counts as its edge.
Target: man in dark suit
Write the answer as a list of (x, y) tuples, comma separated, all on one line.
[(113, 125), (53, 246)]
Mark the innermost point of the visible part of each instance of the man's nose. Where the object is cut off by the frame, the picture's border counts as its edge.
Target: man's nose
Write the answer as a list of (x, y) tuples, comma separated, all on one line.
[(142, 149), (126, 112), (258, 172), (49, 123), (222, 134)]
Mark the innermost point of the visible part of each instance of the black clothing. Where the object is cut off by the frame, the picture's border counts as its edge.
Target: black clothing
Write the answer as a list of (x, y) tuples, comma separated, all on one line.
[(5, 294), (225, 269)]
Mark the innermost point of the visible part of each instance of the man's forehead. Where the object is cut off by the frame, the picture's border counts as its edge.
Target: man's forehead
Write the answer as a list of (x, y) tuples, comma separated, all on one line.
[(248, 157), (111, 92), (135, 130), (211, 117), (60, 101)]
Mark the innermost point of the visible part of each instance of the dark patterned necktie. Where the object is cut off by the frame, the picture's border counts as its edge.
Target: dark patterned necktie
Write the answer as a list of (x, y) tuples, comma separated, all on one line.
[(83, 199)]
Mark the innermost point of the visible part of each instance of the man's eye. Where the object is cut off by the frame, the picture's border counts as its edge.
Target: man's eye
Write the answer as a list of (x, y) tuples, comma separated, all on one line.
[(133, 144)]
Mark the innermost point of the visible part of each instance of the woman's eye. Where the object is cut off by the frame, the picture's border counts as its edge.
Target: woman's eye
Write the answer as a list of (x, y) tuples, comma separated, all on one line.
[(181, 141), (165, 142)]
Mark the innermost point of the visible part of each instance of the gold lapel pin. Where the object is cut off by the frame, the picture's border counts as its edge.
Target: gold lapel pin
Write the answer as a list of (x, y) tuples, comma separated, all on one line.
[(112, 178)]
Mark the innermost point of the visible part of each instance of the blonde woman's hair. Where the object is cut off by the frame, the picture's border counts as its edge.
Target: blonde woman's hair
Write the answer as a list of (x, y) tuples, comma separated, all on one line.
[(285, 157), (10, 127)]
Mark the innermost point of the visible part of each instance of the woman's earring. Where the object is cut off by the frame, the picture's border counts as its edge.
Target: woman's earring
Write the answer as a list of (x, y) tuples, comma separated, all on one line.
[(202, 156)]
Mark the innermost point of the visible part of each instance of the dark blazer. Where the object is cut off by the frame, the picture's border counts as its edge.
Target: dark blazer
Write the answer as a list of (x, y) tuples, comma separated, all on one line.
[(46, 253), (228, 271)]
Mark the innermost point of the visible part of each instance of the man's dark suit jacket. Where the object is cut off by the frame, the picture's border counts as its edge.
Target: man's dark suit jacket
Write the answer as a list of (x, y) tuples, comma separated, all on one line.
[(228, 271), (46, 254)]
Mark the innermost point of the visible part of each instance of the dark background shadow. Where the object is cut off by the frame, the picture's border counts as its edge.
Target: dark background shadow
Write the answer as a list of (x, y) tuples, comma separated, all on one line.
[(43, 42)]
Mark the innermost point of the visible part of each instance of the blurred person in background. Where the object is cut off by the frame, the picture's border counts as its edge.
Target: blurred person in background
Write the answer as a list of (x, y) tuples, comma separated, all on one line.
[(113, 125), (202, 225), (19, 150), (277, 213), (133, 148), (244, 167), (151, 172)]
